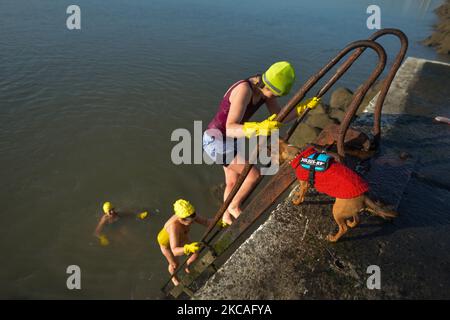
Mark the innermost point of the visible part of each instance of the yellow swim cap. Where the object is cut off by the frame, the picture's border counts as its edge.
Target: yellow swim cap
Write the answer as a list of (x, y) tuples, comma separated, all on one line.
[(279, 78), (183, 208), (107, 206)]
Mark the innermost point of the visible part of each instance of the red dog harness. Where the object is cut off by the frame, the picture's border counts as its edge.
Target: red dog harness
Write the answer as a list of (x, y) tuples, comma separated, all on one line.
[(337, 181)]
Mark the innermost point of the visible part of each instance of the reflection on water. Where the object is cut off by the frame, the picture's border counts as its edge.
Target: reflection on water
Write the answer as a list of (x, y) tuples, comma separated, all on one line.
[(86, 117)]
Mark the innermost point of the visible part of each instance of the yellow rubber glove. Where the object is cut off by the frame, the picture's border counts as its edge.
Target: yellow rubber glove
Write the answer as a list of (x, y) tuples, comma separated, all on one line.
[(222, 224), (103, 240), (143, 215), (192, 247), (263, 128), (308, 104)]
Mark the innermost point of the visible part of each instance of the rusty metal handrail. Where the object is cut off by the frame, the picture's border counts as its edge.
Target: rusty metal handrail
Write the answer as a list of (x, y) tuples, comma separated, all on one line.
[(386, 82), (359, 95), (389, 78), (293, 102)]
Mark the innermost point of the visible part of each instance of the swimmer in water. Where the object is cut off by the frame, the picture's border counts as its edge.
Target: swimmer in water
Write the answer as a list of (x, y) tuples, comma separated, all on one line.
[(173, 238), (110, 216)]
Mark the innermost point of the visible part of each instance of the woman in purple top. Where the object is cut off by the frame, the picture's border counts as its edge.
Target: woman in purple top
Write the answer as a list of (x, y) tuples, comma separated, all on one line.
[(239, 103)]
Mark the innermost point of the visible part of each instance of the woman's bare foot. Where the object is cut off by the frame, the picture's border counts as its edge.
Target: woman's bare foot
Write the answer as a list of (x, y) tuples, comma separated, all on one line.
[(235, 211), (227, 218)]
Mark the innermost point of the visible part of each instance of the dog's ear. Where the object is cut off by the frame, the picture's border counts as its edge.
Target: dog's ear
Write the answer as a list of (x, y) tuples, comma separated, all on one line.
[(282, 151), (287, 151)]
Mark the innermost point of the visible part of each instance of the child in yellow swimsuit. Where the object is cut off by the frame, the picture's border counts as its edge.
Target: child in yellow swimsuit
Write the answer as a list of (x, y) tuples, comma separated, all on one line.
[(174, 236)]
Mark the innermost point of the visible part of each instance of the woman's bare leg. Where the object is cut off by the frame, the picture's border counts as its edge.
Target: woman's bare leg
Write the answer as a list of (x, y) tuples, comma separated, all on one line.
[(230, 180), (233, 171)]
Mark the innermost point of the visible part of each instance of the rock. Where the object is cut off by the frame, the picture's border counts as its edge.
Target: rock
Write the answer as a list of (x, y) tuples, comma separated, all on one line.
[(371, 93), (440, 39), (319, 120), (304, 134), (320, 109), (337, 114), (341, 98)]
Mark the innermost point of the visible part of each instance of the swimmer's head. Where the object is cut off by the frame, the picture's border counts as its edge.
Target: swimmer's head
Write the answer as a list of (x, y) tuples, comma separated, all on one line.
[(185, 211), (108, 209)]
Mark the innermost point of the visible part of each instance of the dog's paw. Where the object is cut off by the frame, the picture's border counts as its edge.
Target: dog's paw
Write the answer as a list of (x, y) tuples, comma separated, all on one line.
[(296, 201), (351, 223)]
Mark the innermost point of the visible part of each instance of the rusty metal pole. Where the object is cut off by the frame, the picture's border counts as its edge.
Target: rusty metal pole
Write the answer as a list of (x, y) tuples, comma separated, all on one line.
[(355, 103), (386, 83), (353, 107), (389, 78)]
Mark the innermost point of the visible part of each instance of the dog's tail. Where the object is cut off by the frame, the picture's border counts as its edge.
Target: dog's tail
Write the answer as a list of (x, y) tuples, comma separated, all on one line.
[(377, 210)]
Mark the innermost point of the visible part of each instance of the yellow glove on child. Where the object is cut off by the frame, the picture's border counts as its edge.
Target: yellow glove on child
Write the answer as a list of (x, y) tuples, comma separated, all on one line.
[(192, 247), (308, 104), (263, 128)]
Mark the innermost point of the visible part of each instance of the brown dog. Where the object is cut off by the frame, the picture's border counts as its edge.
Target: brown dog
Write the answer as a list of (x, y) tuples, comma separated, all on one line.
[(346, 209)]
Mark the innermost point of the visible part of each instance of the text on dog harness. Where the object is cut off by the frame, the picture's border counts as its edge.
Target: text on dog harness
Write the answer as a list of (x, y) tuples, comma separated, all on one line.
[(318, 161)]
